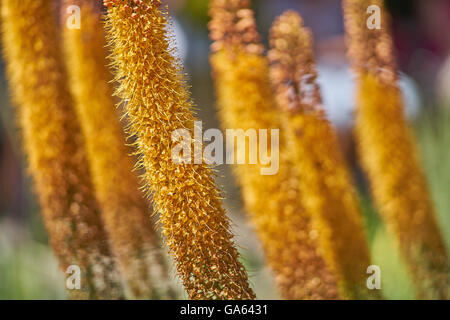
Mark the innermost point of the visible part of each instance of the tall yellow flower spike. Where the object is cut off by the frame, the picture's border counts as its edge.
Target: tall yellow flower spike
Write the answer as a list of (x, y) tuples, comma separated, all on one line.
[(54, 146), (388, 153), (246, 101), (157, 100), (132, 235), (326, 185)]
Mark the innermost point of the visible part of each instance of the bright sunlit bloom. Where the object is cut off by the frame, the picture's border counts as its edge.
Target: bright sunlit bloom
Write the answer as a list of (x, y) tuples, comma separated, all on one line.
[(193, 221)]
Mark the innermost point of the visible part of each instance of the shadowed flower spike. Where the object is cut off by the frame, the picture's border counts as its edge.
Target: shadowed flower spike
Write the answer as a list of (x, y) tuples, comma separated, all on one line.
[(153, 87), (388, 152), (325, 183), (371, 50), (246, 101), (54, 146), (124, 209)]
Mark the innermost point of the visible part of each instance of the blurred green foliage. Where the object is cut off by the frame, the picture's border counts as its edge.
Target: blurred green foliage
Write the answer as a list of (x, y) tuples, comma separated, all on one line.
[(434, 138), (28, 269), (196, 11)]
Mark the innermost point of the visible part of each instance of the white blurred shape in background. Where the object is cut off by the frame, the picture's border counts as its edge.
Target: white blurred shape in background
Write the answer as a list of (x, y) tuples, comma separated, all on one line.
[(338, 91), (178, 42)]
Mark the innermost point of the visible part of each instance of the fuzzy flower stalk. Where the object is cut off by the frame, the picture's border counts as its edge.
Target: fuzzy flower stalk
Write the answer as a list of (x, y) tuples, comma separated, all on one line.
[(327, 188), (388, 152), (245, 101), (152, 86), (54, 146), (124, 209)]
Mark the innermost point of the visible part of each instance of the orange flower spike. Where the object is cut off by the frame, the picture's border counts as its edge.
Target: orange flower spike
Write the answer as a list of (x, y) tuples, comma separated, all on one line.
[(54, 146), (125, 211), (158, 102), (388, 152), (245, 101), (327, 188)]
